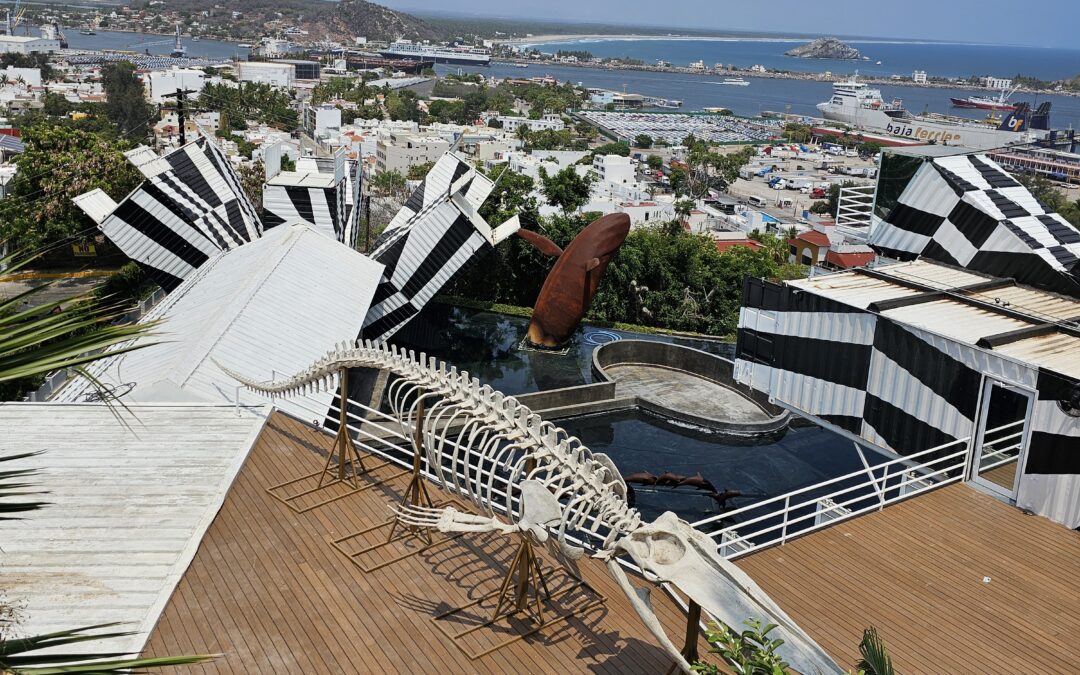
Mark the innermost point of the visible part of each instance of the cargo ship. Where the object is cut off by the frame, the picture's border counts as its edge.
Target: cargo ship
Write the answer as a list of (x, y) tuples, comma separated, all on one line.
[(1000, 102), (463, 56), (858, 105)]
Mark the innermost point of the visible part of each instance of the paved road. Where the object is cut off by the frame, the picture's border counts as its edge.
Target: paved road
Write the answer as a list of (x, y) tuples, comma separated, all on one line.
[(58, 289)]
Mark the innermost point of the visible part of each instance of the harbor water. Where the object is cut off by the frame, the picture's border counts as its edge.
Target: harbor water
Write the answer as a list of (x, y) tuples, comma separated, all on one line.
[(897, 57), (764, 94)]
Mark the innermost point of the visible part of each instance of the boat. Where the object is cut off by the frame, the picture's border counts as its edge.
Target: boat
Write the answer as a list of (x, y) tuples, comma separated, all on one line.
[(858, 105), (736, 82), (179, 50), (245, 45), (1000, 102), (464, 56), (87, 31), (668, 103), (195, 38)]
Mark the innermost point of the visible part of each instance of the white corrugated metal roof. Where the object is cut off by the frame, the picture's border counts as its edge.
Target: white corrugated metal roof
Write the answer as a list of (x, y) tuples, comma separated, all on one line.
[(96, 204), (938, 277), (1057, 351), (1038, 304), (956, 320), (271, 307), (303, 179), (854, 289), (128, 505)]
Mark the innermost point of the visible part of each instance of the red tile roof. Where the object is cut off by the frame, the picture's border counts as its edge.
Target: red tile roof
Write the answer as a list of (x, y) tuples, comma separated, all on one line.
[(813, 237), (849, 260)]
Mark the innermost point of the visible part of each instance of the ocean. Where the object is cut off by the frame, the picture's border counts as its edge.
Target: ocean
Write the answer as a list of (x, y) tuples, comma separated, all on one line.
[(896, 57), (777, 95)]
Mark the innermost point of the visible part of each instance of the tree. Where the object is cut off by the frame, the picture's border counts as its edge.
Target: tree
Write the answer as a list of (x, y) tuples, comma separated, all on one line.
[(125, 104), (60, 163), (567, 189), (797, 133), (832, 200), (643, 141), (654, 162), (621, 149), (1055, 200), (388, 184), (252, 179), (683, 208), (419, 171), (708, 170), (869, 148)]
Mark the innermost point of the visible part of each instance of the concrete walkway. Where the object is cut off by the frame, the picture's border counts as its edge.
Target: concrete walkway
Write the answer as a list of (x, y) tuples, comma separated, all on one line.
[(682, 391)]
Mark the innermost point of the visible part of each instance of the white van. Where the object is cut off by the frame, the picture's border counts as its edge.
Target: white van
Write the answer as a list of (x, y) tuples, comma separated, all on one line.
[(758, 202)]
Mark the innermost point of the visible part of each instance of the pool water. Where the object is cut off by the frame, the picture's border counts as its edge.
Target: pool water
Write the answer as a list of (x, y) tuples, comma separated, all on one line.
[(640, 441), (488, 346)]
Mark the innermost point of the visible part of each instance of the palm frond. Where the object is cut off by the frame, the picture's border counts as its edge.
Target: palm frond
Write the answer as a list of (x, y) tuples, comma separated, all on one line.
[(16, 655), (875, 657), (13, 494)]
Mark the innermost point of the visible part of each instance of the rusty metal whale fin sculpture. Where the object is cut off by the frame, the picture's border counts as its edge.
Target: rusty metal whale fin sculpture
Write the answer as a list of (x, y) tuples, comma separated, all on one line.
[(570, 286), (540, 242)]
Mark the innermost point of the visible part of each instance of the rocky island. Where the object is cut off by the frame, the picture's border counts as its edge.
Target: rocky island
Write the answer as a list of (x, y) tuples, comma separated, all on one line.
[(825, 48)]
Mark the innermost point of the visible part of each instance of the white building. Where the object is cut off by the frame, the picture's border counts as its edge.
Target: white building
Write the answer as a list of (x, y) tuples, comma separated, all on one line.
[(27, 44), (321, 120), (997, 82), (397, 152), (919, 76), (162, 85), (30, 77), (614, 169), (511, 124), (274, 74)]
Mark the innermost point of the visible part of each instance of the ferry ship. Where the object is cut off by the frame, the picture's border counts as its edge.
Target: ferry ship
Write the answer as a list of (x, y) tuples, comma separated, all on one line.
[(736, 82), (856, 104), (465, 56)]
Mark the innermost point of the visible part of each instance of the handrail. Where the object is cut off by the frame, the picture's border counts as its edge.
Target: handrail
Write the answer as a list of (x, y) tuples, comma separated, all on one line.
[(906, 460), (832, 496)]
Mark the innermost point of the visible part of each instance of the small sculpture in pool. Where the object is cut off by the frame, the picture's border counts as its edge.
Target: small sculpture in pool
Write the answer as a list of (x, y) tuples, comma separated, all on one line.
[(572, 282)]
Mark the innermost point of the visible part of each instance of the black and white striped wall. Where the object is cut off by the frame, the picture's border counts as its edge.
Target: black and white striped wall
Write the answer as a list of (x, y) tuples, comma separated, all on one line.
[(190, 207), (965, 210), (901, 388), (429, 241)]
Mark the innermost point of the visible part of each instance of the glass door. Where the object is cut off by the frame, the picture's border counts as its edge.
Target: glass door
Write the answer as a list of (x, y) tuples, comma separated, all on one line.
[(1002, 437)]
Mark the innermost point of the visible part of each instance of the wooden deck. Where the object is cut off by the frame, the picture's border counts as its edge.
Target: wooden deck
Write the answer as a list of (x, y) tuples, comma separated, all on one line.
[(916, 571), (269, 591)]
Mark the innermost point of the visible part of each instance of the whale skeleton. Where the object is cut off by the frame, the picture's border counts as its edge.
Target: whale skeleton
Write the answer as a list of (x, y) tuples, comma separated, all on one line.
[(476, 439)]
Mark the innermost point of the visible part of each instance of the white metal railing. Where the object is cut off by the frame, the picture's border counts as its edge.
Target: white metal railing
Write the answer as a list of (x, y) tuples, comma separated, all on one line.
[(807, 509), (798, 512)]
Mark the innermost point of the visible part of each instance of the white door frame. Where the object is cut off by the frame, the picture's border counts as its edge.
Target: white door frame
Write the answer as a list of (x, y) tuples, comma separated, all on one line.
[(985, 398)]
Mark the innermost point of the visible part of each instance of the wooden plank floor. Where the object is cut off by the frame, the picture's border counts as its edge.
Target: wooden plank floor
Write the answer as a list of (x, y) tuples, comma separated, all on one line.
[(269, 591), (915, 570)]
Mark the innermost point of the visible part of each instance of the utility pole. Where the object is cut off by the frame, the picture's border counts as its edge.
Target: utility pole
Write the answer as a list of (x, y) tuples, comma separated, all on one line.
[(180, 113)]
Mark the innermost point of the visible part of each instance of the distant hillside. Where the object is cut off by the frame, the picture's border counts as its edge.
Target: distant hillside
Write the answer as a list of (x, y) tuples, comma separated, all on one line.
[(342, 20), (358, 17)]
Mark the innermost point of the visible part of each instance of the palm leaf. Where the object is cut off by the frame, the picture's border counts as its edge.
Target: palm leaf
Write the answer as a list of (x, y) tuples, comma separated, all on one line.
[(875, 657), (41, 339), (12, 494), (16, 655)]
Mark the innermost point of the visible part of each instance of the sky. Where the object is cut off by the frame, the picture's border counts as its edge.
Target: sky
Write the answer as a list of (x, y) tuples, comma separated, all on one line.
[(990, 21)]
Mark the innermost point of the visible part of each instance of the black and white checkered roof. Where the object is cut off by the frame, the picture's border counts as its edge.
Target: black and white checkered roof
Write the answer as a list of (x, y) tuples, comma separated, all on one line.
[(965, 210)]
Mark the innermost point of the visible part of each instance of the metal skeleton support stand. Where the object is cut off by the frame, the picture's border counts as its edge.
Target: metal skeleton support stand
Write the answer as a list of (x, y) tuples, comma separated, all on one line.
[(693, 630), (416, 494), (344, 447), (525, 576)]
